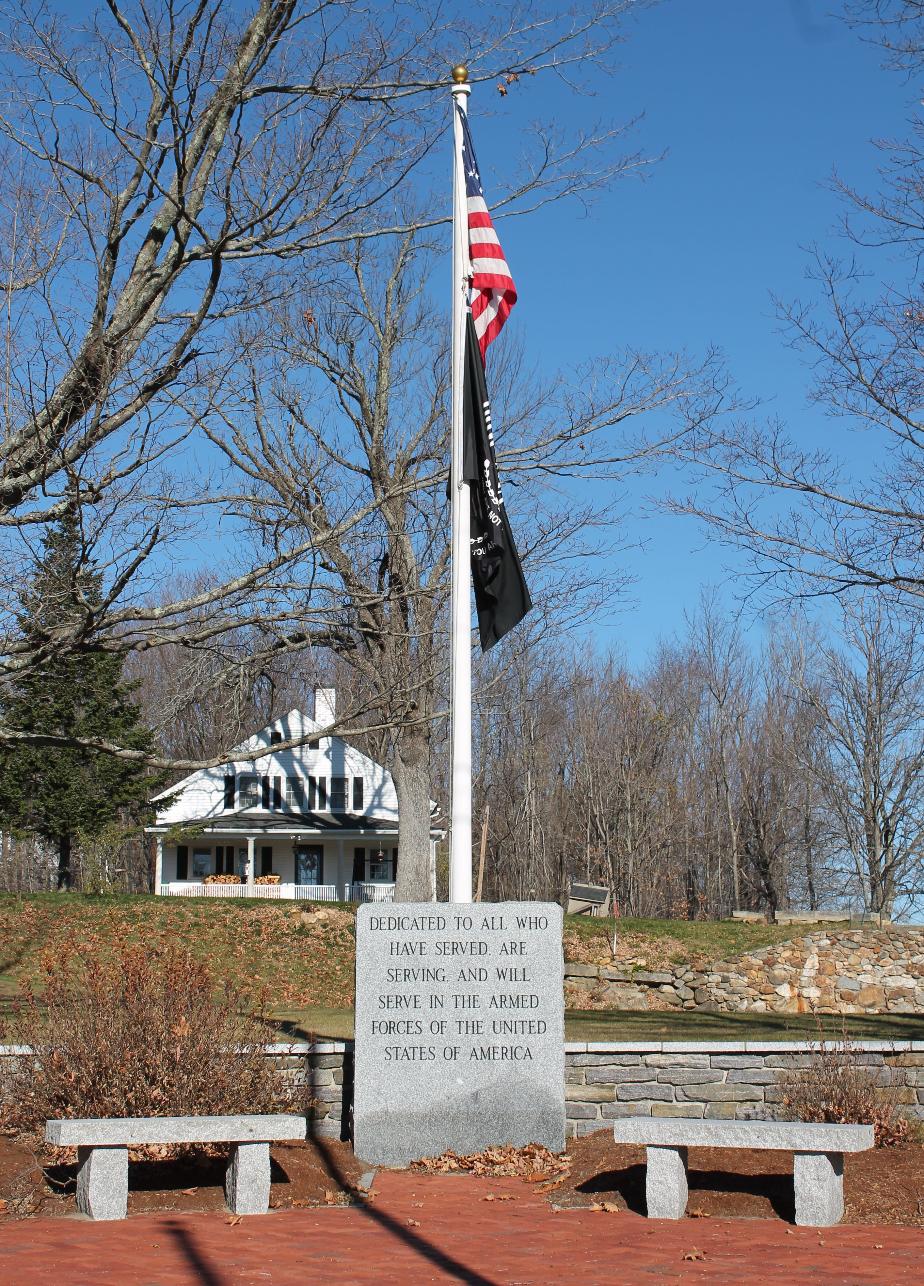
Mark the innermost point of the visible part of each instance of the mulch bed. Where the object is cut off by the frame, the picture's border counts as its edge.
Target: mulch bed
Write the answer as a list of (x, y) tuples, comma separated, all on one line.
[(314, 1173), (882, 1186)]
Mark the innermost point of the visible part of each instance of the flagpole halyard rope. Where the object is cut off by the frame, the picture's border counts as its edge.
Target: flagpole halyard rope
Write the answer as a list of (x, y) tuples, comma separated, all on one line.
[(460, 844)]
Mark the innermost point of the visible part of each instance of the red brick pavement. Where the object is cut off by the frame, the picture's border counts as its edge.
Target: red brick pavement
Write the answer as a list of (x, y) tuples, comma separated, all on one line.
[(439, 1228)]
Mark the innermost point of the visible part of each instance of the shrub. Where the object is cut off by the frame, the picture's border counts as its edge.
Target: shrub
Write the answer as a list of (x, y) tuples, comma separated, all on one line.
[(838, 1087), (146, 1031)]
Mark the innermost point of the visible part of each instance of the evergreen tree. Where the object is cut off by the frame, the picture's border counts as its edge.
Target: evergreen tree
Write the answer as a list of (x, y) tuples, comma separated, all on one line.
[(54, 792)]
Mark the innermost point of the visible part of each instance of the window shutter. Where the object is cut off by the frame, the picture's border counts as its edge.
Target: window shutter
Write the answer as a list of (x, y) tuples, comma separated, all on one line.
[(264, 792), (394, 872), (322, 793), (357, 794), (229, 791), (312, 793), (219, 860), (182, 862), (277, 792)]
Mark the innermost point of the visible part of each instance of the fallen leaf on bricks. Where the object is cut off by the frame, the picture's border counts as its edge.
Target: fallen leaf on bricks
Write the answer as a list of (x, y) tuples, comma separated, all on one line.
[(413, 1223), (698, 1214), (189, 1192), (694, 1254), (233, 1220), (610, 1207)]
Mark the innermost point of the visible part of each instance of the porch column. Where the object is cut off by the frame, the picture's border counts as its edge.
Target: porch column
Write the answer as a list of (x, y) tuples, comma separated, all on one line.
[(158, 864), (251, 858)]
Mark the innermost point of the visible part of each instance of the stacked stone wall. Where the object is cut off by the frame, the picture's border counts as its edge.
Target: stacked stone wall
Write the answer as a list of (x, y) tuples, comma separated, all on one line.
[(713, 1080), (605, 1081), (848, 971)]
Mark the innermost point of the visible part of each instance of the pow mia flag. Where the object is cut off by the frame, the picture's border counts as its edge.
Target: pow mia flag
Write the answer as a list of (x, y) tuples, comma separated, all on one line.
[(501, 596)]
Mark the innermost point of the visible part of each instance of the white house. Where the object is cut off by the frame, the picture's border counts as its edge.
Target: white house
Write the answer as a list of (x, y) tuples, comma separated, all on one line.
[(318, 821)]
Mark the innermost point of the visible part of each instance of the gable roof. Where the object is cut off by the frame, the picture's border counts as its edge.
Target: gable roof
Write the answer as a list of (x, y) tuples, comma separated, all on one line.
[(293, 726)]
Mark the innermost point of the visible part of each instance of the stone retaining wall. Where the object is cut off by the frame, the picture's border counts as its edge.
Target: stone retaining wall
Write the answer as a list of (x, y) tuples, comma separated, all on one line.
[(834, 971), (604, 1081), (725, 1080)]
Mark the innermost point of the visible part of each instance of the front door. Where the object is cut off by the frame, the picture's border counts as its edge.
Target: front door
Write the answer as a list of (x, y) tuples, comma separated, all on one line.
[(309, 863)]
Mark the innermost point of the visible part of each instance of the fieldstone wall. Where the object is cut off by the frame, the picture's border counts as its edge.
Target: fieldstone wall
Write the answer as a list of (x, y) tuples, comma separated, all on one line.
[(834, 971), (724, 1080), (604, 1081)]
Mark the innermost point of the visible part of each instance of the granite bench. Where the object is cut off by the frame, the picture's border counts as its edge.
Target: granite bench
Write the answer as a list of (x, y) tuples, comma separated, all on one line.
[(818, 1163), (102, 1154)]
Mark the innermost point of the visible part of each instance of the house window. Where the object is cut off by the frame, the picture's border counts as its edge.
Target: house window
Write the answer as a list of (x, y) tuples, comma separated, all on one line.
[(338, 794), (201, 862), (357, 794), (275, 738), (182, 861), (229, 791), (295, 792), (250, 792), (381, 866)]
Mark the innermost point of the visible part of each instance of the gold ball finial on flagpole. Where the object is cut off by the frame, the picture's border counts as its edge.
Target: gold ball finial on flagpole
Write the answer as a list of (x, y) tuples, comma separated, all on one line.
[(460, 74)]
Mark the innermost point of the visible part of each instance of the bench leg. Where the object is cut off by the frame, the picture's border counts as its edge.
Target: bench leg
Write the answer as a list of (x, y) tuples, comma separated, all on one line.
[(102, 1182), (666, 1182), (247, 1180), (818, 1179)]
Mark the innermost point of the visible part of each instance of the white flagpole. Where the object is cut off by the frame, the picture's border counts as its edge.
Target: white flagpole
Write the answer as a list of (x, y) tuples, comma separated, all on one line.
[(460, 842)]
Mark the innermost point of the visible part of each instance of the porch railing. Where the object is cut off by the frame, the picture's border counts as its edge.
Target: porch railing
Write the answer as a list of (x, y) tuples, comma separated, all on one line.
[(297, 892), (369, 892)]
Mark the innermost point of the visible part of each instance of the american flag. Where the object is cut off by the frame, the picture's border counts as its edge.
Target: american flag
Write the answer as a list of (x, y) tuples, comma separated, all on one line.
[(493, 291)]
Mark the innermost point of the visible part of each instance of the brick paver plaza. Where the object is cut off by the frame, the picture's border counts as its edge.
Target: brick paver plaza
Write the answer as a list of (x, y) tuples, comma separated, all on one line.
[(434, 1228)]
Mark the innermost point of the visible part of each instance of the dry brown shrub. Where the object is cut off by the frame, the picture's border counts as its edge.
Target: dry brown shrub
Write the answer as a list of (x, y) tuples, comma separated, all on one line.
[(838, 1087), (146, 1031)]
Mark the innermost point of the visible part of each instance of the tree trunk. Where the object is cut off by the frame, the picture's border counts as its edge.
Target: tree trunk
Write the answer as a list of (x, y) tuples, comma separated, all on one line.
[(64, 861), (412, 784)]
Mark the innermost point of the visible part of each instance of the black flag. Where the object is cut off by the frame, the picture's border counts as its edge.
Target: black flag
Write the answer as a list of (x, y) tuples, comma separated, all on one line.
[(501, 596)]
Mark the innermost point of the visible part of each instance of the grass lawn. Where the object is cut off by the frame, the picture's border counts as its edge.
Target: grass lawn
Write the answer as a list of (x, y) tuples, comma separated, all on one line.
[(298, 957), (604, 1024)]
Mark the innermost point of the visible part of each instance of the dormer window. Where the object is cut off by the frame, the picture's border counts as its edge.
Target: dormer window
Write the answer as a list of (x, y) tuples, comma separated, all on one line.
[(275, 738)]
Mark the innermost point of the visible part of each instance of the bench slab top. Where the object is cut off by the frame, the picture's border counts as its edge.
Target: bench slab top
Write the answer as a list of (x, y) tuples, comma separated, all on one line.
[(126, 1131), (786, 1136)]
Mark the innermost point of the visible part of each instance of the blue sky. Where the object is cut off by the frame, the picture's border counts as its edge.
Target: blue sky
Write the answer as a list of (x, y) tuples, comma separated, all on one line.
[(754, 101)]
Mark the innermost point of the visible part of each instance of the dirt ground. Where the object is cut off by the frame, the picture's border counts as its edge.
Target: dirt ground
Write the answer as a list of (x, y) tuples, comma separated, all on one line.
[(314, 1173), (883, 1186)]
